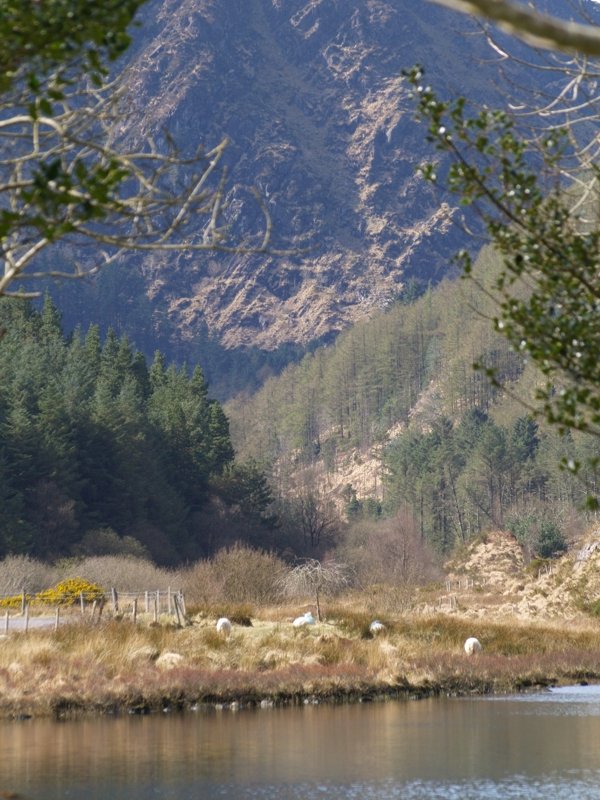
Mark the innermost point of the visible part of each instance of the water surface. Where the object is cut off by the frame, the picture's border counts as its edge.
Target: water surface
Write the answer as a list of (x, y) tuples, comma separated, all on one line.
[(525, 746)]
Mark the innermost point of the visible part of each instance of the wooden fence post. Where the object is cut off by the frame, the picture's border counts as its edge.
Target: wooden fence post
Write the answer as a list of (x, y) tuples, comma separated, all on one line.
[(115, 600), (23, 601), (6, 622), (182, 603), (134, 610), (26, 617), (146, 603), (156, 607), (57, 619), (82, 602), (169, 601)]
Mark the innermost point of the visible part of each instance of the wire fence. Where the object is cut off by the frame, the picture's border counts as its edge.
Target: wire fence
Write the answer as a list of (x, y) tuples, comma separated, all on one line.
[(137, 606)]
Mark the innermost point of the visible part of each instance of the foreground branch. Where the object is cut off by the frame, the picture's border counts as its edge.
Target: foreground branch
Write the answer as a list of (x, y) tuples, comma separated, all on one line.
[(65, 176), (538, 30)]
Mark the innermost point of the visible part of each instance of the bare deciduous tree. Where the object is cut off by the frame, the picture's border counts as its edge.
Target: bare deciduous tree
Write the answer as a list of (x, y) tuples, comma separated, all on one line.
[(316, 517), (317, 579)]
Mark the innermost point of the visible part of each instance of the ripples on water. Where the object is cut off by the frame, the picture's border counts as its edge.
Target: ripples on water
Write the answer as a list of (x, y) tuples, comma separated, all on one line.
[(567, 701), (517, 787)]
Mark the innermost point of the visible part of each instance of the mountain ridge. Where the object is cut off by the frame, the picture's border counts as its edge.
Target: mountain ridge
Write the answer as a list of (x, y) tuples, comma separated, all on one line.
[(320, 123)]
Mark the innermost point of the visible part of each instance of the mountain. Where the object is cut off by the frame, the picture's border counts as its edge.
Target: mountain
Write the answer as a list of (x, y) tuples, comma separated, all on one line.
[(313, 100), (311, 95)]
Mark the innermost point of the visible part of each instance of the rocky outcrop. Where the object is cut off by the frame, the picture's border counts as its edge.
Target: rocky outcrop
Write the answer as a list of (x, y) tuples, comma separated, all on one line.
[(312, 97), (491, 578)]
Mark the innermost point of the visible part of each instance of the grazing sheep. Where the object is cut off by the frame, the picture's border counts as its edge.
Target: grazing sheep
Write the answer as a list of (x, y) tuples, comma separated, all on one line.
[(472, 646), (305, 619), (224, 627), (376, 627)]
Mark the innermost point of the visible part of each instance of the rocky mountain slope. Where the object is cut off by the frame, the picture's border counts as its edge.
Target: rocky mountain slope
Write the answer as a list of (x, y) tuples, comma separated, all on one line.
[(311, 95)]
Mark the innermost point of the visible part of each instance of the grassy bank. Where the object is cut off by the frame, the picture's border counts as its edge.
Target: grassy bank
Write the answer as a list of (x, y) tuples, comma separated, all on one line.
[(117, 666)]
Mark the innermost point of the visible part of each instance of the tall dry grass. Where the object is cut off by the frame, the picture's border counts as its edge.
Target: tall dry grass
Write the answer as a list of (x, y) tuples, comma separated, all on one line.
[(116, 664), (120, 665)]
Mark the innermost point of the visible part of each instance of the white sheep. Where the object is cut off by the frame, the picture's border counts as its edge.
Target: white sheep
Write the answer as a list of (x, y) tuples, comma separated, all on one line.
[(472, 646), (305, 619), (376, 627), (224, 627)]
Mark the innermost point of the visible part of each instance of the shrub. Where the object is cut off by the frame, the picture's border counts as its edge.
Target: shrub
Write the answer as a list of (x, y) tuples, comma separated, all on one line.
[(237, 574), (106, 542), (541, 536), (22, 572), (391, 551), (550, 541), (592, 608), (69, 591), (14, 601), (124, 573)]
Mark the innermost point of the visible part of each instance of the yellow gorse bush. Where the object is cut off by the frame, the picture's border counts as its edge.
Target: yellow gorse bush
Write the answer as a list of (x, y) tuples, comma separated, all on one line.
[(15, 601), (69, 591), (66, 592)]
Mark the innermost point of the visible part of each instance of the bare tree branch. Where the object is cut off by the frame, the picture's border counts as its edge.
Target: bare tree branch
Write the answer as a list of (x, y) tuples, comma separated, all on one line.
[(317, 579), (68, 174), (538, 30)]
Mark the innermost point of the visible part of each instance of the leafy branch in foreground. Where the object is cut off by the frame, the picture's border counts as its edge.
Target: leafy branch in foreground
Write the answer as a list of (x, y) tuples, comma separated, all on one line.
[(67, 175), (62, 38), (547, 289), (69, 170)]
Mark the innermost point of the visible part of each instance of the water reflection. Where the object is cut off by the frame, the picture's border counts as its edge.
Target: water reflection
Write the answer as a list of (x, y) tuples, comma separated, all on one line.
[(525, 746), (580, 701)]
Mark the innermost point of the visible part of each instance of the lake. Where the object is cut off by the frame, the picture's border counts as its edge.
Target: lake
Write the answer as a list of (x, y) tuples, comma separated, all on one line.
[(524, 746)]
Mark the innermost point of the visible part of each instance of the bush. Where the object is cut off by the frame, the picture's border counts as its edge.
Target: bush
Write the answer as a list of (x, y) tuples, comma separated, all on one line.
[(127, 574), (542, 537), (551, 541), (592, 608), (69, 592), (22, 572), (237, 574), (66, 592), (390, 551), (107, 542), (14, 601)]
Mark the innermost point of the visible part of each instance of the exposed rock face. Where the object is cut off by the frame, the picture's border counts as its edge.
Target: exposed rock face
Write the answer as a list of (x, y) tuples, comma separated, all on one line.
[(494, 562), (492, 579), (311, 94)]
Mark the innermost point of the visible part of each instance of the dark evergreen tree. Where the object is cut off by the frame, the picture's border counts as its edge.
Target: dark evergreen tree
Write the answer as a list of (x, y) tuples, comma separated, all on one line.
[(92, 439), (220, 449), (525, 439)]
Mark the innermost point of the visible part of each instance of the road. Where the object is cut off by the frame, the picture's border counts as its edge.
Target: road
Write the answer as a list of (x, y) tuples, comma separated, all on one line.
[(17, 622)]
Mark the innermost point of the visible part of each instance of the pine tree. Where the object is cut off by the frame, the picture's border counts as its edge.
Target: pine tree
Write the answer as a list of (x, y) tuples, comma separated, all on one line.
[(220, 449)]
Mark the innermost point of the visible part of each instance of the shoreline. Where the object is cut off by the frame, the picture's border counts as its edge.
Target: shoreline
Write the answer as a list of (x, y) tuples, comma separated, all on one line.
[(62, 708)]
